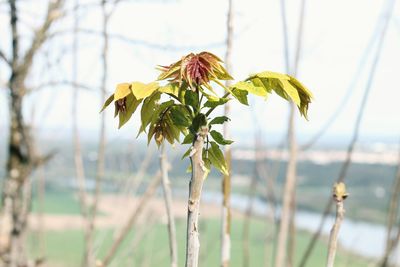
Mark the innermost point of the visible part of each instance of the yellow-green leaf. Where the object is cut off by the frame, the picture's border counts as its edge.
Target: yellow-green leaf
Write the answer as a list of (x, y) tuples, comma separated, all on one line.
[(131, 104), (170, 88), (290, 91), (142, 90), (147, 111), (108, 102), (217, 159), (304, 94), (271, 75), (122, 90), (251, 88)]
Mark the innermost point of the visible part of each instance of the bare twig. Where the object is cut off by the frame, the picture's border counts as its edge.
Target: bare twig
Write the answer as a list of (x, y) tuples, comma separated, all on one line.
[(74, 84), (168, 205), (247, 220), (4, 57), (78, 161), (287, 224), (353, 141), (391, 241), (150, 191), (41, 34), (349, 91), (102, 140), (226, 180), (145, 43), (339, 195)]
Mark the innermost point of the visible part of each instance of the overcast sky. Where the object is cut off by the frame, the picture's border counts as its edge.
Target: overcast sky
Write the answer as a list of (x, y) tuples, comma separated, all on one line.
[(337, 35)]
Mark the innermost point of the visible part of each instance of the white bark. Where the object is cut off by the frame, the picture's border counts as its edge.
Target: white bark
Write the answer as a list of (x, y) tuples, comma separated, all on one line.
[(195, 187), (168, 205), (226, 182), (334, 233)]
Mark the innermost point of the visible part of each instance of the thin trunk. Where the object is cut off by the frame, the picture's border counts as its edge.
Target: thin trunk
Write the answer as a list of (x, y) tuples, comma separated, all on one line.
[(90, 257), (332, 247), (195, 187), (392, 217), (148, 194), (247, 222), (21, 157), (354, 138), (288, 194), (78, 161), (41, 194), (292, 231), (271, 216), (168, 205), (226, 181)]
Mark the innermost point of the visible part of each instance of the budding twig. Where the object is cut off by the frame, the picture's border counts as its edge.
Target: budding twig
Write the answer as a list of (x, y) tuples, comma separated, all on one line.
[(339, 195)]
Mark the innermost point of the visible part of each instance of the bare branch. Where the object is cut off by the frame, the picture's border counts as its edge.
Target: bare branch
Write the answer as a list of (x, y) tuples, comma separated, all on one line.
[(151, 45), (4, 57), (388, 10), (53, 13), (61, 83), (150, 191), (339, 195), (173, 247), (226, 180)]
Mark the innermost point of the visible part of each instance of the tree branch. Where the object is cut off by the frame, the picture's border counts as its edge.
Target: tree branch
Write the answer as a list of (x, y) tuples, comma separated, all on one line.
[(61, 83), (53, 13), (4, 57), (148, 194), (339, 195)]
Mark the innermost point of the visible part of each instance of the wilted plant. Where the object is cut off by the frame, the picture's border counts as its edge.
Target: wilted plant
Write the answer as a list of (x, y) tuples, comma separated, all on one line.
[(188, 85)]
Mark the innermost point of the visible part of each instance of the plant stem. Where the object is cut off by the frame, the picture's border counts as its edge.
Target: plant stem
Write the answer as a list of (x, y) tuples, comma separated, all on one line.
[(195, 186), (212, 109), (168, 205), (335, 230)]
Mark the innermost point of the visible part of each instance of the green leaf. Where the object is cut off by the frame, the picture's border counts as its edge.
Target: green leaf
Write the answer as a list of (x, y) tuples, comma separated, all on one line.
[(219, 138), (251, 88), (148, 108), (180, 116), (108, 102), (189, 138), (173, 129), (151, 132), (187, 153), (213, 104), (131, 104), (168, 132), (217, 159), (219, 120), (290, 91), (142, 90), (191, 99), (160, 109), (304, 94), (240, 95)]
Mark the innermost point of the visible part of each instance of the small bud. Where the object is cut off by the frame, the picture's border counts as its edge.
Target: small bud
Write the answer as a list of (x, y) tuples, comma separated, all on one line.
[(339, 191)]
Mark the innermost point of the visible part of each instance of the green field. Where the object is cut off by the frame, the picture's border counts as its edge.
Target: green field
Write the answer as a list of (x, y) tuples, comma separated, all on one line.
[(65, 248)]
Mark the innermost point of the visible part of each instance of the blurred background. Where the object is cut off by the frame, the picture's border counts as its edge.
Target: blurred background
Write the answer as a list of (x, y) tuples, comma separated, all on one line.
[(75, 180)]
